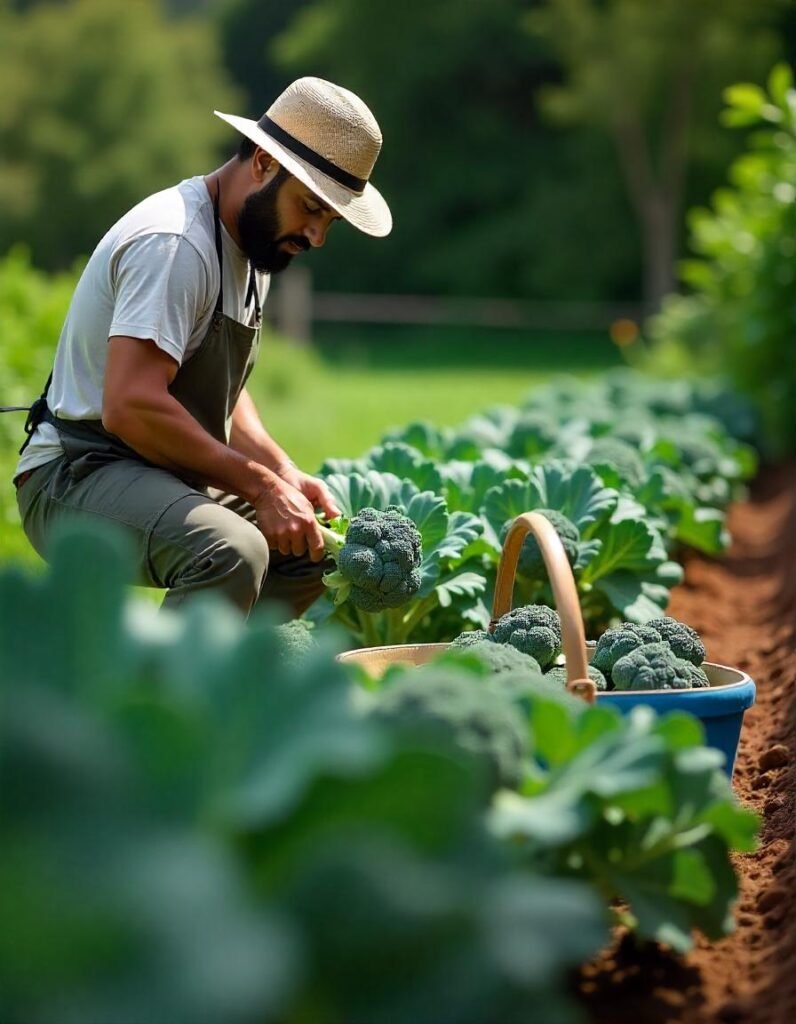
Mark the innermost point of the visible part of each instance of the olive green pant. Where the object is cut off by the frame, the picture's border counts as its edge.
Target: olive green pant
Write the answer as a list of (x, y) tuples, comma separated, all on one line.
[(188, 541)]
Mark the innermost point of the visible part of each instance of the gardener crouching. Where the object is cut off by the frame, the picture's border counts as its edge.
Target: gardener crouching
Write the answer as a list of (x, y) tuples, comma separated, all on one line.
[(146, 420)]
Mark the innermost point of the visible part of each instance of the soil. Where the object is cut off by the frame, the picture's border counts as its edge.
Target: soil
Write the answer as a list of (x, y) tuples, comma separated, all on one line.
[(744, 606)]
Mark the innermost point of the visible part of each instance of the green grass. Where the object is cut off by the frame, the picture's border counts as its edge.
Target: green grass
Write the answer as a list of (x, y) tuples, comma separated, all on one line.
[(338, 396)]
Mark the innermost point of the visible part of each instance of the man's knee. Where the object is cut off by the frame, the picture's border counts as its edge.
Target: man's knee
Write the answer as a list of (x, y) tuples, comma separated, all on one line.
[(244, 561), (199, 546)]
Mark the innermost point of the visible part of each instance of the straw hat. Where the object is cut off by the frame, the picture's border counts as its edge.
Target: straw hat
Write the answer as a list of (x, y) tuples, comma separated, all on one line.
[(326, 137)]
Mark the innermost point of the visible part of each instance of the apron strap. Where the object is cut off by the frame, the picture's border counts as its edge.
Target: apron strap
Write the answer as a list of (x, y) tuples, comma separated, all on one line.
[(219, 308), (36, 413)]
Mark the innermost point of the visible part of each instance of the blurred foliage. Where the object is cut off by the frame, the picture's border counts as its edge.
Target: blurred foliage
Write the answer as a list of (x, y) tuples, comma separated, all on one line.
[(501, 202), (104, 104), (33, 305), (628, 73), (486, 199), (192, 837), (739, 316), (489, 197)]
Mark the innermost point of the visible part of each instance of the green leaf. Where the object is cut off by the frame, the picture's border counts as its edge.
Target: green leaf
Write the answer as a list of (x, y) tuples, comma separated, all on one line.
[(464, 584), (746, 97), (692, 880), (780, 83), (576, 491), (406, 463)]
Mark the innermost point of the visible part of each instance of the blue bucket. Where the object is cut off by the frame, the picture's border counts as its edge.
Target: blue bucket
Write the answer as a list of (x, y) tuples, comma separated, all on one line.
[(719, 708)]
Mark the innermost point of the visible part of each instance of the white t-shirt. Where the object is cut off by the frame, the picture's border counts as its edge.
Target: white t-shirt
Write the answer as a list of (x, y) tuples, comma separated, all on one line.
[(153, 276)]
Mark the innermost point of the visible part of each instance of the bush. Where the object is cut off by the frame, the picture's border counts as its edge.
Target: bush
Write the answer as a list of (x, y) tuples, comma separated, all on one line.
[(740, 317)]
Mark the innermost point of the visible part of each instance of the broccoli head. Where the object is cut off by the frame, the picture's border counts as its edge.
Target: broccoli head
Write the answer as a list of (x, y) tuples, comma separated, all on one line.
[(683, 640), (531, 562), (559, 674), (616, 643), (651, 667), (503, 657), (294, 642), (533, 629), (378, 560), (473, 636), (696, 674), (462, 709), (619, 456), (532, 435)]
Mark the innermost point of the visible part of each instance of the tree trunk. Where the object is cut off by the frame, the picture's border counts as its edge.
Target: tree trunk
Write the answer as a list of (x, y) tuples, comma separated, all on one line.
[(658, 224)]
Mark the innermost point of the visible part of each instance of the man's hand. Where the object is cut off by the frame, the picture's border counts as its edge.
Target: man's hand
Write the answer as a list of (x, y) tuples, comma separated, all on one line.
[(287, 520), (313, 489)]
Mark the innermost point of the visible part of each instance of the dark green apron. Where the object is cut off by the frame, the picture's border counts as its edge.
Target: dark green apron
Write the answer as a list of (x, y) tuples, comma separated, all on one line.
[(208, 385)]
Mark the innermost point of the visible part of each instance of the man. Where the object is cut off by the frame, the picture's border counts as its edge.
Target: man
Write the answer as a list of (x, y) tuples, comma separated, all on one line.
[(146, 420)]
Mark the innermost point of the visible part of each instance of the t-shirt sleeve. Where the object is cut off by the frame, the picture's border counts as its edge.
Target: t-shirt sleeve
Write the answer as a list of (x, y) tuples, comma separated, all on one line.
[(160, 287)]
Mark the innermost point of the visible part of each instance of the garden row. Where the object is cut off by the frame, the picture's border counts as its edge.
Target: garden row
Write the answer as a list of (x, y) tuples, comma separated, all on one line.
[(628, 469), (210, 822)]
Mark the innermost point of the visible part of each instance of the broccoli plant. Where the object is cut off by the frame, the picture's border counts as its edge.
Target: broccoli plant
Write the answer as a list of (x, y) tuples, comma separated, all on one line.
[(445, 539), (442, 703), (621, 567), (531, 562)]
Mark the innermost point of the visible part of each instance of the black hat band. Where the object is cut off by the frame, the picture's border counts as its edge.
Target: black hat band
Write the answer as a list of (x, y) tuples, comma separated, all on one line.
[(320, 163)]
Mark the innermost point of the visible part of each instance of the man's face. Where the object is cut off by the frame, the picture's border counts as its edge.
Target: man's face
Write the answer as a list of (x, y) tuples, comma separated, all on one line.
[(280, 220)]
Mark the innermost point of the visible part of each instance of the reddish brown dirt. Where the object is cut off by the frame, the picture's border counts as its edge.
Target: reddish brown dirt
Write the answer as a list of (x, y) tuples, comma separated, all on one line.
[(744, 606)]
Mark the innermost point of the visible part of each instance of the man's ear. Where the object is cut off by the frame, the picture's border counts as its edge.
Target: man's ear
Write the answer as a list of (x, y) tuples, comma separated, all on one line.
[(264, 166)]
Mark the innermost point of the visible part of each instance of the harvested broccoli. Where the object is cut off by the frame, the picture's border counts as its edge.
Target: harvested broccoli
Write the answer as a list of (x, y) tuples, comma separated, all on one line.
[(294, 642), (683, 640), (651, 667), (462, 709), (473, 636), (503, 657), (378, 560), (616, 643), (698, 677), (559, 674), (620, 456), (533, 629), (531, 563)]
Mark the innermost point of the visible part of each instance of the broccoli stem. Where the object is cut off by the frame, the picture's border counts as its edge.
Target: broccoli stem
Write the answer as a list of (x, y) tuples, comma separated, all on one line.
[(332, 541), (416, 614), (368, 629)]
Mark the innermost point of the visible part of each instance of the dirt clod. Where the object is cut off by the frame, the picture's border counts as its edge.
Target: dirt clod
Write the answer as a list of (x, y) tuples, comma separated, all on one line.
[(775, 757)]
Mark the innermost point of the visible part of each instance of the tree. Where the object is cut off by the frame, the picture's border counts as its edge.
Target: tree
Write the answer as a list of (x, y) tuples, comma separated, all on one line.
[(650, 75), (487, 199), (103, 104)]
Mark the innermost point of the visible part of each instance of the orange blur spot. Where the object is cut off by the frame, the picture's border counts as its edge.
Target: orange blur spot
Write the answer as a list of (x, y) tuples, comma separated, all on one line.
[(623, 332)]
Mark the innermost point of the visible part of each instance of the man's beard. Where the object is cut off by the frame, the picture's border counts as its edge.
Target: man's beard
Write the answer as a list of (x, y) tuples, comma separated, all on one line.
[(258, 228)]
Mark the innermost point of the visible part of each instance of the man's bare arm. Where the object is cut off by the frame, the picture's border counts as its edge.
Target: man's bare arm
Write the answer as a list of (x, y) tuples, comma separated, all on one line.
[(249, 437), (138, 408)]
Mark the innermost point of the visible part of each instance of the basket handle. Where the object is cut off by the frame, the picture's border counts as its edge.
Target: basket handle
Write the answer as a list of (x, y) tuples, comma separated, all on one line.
[(566, 597)]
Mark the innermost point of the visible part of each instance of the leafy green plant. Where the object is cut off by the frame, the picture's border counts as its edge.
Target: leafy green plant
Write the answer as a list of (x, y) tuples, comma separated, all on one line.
[(199, 829), (637, 807), (739, 318), (445, 538)]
